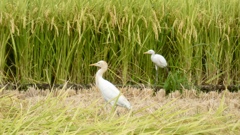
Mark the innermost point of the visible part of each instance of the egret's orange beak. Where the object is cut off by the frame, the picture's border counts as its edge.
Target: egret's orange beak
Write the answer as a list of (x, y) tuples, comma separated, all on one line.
[(93, 64)]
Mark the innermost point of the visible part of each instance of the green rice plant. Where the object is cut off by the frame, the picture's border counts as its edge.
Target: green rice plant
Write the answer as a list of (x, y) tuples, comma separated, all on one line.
[(3, 42), (54, 41), (176, 81)]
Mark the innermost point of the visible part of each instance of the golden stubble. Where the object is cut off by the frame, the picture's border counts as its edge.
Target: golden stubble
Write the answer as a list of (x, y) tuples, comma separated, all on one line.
[(197, 102)]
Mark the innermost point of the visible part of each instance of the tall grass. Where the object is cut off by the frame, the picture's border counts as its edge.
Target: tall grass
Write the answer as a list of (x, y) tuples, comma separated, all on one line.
[(54, 41)]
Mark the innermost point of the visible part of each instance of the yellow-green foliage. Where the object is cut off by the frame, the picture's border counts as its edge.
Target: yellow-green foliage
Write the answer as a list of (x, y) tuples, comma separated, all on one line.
[(86, 113), (46, 40)]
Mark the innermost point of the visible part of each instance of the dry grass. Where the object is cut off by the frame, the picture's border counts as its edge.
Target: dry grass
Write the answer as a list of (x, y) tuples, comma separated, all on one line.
[(85, 112), (197, 102)]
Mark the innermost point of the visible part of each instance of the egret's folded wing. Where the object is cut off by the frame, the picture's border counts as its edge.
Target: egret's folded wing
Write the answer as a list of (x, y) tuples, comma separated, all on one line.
[(109, 91)]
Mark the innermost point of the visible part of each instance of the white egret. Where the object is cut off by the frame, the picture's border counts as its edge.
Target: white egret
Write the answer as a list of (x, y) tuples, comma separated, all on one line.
[(109, 92), (158, 60)]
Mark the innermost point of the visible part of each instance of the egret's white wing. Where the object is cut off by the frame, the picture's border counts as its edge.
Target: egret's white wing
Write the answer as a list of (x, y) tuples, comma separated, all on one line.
[(108, 90), (111, 93), (159, 60), (122, 101)]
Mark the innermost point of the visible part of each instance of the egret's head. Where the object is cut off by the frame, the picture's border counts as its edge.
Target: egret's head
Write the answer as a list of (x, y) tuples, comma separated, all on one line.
[(101, 64), (149, 52)]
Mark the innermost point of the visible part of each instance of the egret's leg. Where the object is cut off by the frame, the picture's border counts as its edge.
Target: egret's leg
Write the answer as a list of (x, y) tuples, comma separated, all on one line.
[(114, 108), (156, 79), (166, 68), (118, 113), (106, 108)]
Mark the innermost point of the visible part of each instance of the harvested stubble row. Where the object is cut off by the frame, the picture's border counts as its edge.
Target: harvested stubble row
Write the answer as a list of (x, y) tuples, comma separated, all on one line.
[(197, 102)]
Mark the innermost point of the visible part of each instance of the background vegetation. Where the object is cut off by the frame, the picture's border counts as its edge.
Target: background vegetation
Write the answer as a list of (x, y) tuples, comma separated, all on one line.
[(45, 41)]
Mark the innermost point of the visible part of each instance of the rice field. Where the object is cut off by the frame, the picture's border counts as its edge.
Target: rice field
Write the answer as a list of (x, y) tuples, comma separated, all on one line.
[(53, 42), (67, 111)]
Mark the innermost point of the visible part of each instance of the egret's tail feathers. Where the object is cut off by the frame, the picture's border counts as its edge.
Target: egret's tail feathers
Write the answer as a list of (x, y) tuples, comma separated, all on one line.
[(129, 107)]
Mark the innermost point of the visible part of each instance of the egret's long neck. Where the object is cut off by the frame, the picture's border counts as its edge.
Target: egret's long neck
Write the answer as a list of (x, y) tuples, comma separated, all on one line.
[(152, 55), (99, 74)]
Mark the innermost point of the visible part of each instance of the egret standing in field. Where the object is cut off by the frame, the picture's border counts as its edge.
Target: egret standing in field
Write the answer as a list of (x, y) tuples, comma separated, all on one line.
[(109, 92), (158, 60)]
